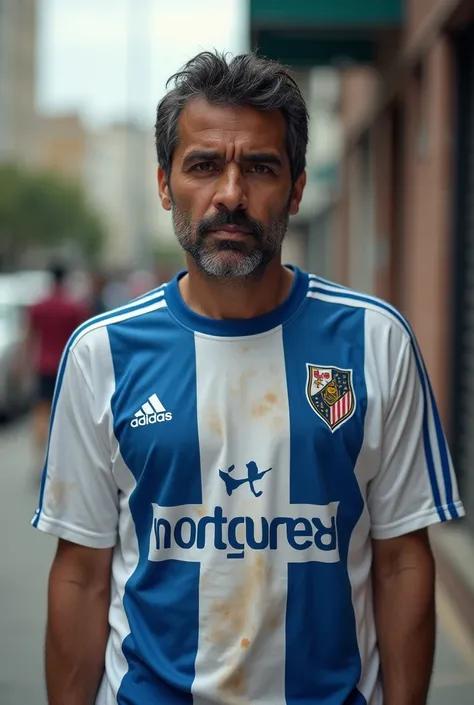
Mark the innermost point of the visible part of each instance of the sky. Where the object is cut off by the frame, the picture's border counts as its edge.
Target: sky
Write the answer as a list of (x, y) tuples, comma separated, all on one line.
[(97, 58)]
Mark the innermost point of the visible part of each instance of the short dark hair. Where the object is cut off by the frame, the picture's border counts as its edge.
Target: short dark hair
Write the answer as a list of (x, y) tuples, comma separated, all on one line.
[(58, 272), (245, 80)]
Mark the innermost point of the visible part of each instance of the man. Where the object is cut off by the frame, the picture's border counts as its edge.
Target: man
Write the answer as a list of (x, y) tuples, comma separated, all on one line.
[(243, 451), (50, 323), (98, 284)]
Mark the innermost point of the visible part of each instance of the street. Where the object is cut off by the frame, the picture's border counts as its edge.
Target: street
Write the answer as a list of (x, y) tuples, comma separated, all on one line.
[(26, 555)]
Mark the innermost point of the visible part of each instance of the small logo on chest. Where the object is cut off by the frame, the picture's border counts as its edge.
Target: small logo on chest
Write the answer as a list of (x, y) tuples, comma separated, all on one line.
[(152, 411), (330, 393), (254, 474)]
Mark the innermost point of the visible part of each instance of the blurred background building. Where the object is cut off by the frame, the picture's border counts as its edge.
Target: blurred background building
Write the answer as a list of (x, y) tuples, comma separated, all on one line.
[(113, 164), (18, 26)]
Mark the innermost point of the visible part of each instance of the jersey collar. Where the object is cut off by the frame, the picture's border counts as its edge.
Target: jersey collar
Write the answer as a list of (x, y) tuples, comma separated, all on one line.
[(237, 327)]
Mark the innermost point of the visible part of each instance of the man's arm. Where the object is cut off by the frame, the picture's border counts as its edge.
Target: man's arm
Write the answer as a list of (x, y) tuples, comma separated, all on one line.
[(404, 591), (77, 630)]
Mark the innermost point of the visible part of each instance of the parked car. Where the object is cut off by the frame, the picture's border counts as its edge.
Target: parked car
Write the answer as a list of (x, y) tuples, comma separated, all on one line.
[(17, 388)]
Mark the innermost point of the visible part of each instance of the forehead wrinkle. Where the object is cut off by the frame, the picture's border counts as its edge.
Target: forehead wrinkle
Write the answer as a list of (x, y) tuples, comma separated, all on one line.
[(232, 148)]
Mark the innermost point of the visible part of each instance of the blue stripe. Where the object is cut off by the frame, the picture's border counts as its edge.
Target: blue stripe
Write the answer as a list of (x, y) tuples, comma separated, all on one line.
[(161, 599), (103, 317), (323, 662), (443, 451), (427, 398)]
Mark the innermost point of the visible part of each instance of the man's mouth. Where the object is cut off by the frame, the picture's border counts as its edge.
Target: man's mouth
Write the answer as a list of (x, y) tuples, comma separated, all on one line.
[(231, 232)]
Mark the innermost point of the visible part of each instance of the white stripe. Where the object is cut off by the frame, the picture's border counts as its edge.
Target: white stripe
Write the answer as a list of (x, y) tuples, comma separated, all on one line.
[(156, 404), (130, 306), (139, 413), (372, 305), (119, 318), (336, 287), (317, 283), (124, 566), (148, 295), (147, 408), (242, 603)]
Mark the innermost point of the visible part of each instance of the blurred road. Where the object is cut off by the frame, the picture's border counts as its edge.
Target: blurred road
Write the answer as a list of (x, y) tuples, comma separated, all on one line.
[(25, 558)]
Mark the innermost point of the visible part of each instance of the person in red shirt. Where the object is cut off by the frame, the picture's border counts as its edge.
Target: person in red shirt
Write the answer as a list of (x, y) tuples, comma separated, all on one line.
[(51, 321)]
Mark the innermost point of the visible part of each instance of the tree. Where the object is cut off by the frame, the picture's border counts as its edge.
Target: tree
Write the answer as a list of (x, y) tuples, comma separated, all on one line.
[(42, 209)]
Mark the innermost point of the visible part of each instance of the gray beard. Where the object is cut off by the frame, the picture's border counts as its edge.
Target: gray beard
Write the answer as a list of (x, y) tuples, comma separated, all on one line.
[(230, 259)]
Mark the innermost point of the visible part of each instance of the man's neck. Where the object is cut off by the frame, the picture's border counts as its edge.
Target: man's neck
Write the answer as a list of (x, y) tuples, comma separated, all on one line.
[(226, 299)]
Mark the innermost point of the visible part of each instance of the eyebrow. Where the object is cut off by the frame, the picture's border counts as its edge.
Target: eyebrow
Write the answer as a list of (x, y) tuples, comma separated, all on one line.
[(256, 157)]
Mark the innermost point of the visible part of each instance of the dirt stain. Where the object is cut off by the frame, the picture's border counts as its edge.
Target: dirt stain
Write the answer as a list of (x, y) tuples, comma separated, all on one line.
[(233, 623), (232, 617), (233, 684), (259, 410), (59, 491), (268, 404), (201, 511), (214, 421), (238, 385)]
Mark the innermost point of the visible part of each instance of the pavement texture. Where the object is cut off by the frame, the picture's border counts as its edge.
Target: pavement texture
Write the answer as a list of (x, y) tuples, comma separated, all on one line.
[(26, 555)]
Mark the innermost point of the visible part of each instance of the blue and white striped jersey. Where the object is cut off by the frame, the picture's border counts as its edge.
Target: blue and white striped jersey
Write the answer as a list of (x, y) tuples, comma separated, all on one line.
[(240, 470)]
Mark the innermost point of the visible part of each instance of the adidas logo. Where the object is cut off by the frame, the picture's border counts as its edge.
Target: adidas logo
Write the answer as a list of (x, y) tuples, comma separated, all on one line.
[(152, 411)]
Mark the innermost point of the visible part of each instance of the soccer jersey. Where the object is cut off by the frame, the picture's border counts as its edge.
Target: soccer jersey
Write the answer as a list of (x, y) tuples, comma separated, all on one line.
[(240, 470)]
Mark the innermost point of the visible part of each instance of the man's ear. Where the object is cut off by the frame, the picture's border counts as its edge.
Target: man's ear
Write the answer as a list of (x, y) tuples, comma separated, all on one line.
[(164, 190), (297, 194)]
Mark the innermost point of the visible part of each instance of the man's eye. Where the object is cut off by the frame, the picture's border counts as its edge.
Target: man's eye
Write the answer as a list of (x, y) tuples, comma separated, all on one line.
[(261, 169), (203, 166)]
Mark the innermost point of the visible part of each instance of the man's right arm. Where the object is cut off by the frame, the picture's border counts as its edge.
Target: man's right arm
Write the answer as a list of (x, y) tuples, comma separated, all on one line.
[(77, 630), (79, 504)]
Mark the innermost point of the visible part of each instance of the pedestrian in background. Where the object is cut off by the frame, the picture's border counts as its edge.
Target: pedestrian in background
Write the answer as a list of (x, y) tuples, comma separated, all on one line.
[(50, 323)]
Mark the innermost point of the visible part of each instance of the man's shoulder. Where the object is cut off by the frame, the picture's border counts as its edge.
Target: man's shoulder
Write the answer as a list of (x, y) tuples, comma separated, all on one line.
[(381, 314), (93, 333)]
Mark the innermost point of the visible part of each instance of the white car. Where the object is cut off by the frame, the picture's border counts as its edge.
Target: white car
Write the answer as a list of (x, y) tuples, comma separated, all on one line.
[(16, 388)]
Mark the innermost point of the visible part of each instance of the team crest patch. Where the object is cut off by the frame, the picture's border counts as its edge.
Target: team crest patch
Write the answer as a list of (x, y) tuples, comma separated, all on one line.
[(330, 393)]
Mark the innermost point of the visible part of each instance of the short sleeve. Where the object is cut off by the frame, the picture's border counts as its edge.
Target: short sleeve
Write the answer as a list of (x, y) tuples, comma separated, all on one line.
[(415, 485), (79, 497)]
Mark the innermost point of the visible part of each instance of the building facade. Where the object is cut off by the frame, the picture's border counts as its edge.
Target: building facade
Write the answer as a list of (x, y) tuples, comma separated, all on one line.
[(18, 28), (414, 133), (120, 181)]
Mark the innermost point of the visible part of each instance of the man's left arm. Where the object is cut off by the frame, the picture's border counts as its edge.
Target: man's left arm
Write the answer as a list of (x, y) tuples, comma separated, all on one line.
[(404, 594), (414, 487)]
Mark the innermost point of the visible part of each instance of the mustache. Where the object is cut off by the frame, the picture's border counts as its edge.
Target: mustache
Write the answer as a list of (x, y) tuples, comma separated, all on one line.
[(238, 218)]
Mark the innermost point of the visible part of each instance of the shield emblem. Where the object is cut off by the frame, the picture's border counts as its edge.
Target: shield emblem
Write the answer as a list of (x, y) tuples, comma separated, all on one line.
[(330, 393)]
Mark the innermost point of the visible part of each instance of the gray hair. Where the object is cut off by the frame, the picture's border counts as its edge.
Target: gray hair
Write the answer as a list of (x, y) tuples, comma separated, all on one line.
[(245, 80)]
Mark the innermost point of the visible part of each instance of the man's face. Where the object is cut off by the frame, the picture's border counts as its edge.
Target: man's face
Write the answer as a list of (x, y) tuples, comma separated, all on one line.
[(230, 189)]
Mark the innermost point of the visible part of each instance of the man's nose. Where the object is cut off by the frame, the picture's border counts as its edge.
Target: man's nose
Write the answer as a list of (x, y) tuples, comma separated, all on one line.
[(230, 193)]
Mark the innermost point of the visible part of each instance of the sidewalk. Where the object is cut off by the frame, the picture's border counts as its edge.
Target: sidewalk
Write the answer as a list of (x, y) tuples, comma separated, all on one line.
[(453, 546), (453, 681)]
